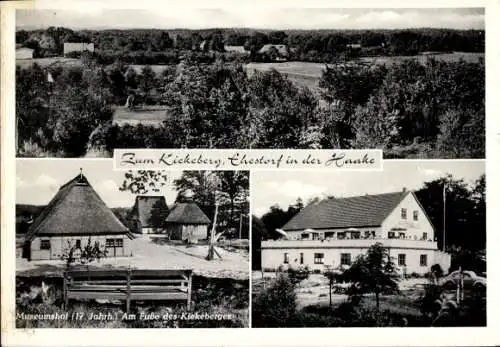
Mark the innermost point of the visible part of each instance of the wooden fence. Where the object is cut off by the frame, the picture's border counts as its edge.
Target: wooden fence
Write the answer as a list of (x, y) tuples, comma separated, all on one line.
[(128, 285)]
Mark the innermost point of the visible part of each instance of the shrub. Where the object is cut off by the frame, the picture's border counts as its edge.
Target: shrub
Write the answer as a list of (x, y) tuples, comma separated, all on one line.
[(275, 307)]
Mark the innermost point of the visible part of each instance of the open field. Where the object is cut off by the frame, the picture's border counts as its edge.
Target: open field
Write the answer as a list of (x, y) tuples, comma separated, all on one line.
[(308, 74), (154, 252), (146, 115), (46, 62)]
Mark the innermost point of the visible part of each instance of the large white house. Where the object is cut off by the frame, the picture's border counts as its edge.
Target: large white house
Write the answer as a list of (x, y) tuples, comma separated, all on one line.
[(333, 232)]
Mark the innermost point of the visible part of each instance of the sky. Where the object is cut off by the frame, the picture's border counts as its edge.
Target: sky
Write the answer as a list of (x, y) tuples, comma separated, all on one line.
[(37, 181), (84, 15), (283, 188)]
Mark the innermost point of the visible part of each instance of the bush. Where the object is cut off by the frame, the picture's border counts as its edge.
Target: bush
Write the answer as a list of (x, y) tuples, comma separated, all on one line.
[(275, 307)]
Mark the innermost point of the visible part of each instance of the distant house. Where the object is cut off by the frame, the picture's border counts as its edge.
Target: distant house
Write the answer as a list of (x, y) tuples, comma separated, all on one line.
[(24, 53), (78, 47), (148, 214), (236, 49), (335, 231), (73, 215), (187, 222), (280, 51), (353, 46)]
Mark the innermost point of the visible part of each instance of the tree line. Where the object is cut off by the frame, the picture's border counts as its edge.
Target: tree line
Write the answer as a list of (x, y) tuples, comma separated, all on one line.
[(151, 46)]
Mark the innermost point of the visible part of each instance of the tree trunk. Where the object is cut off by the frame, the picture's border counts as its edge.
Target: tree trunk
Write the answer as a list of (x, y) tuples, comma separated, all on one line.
[(377, 298), (331, 284)]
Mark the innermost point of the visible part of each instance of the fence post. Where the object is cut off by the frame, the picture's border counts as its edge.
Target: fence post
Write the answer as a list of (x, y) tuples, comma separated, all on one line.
[(128, 291), (190, 280)]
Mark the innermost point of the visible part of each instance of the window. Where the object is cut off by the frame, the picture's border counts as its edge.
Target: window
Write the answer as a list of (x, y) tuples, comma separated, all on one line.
[(402, 259), (367, 234), (301, 258), (78, 244), (391, 235), (355, 234), (424, 236), (345, 258), (341, 235), (118, 242), (110, 242), (315, 236), (319, 258), (304, 236), (415, 215), (45, 244), (403, 213), (286, 258), (423, 259), (402, 235)]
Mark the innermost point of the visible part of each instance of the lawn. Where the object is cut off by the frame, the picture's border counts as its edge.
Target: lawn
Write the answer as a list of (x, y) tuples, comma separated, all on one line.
[(155, 252), (46, 62), (146, 115)]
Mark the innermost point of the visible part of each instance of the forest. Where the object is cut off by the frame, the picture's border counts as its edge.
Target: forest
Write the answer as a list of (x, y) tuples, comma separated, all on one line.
[(408, 108)]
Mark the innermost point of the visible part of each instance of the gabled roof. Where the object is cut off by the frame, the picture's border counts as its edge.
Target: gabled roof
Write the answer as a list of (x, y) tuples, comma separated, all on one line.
[(76, 209), (352, 212), (143, 207), (187, 213)]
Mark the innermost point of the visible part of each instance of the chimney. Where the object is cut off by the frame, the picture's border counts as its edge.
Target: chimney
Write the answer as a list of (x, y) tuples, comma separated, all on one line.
[(404, 189)]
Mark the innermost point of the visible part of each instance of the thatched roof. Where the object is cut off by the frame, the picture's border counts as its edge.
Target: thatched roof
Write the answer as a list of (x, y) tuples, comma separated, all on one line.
[(357, 211), (76, 209), (143, 207), (187, 213)]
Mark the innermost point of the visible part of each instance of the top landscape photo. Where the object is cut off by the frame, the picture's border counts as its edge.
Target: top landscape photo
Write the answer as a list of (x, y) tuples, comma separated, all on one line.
[(408, 81)]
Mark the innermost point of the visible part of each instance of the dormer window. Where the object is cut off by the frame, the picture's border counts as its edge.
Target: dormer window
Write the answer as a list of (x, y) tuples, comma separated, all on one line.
[(415, 215), (403, 213)]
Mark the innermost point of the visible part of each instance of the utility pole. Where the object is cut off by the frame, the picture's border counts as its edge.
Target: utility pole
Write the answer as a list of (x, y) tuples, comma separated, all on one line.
[(444, 217)]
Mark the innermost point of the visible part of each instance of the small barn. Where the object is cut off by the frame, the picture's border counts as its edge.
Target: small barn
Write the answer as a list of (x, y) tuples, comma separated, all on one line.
[(75, 214), (186, 221), (236, 49), (148, 214)]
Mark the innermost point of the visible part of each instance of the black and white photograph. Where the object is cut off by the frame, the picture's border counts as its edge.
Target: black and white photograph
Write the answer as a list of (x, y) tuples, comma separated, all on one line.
[(97, 248), (410, 81), (403, 247)]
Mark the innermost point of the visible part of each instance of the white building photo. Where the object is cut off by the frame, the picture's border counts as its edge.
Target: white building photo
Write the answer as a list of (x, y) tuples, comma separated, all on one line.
[(334, 231)]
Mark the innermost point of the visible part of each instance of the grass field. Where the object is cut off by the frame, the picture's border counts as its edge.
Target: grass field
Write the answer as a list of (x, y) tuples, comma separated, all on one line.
[(146, 115), (308, 74), (46, 62)]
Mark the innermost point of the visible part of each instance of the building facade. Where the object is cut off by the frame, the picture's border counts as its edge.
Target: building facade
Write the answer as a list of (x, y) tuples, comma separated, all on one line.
[(75, 215), (187, 222), (334, 232), (148, 214)]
